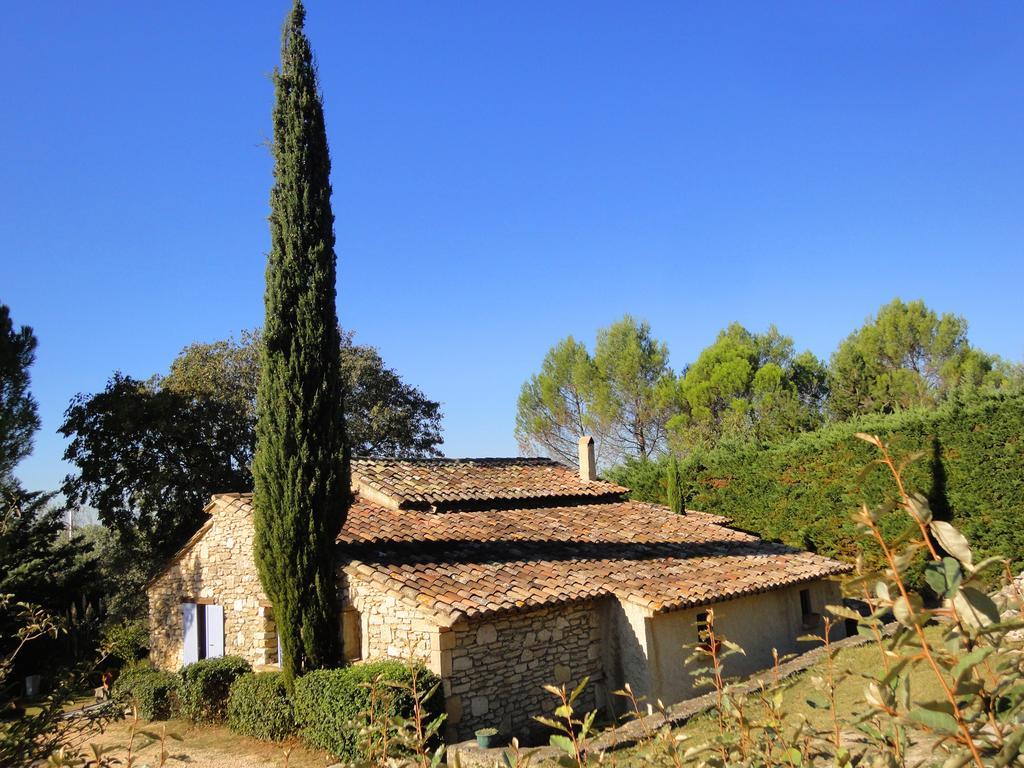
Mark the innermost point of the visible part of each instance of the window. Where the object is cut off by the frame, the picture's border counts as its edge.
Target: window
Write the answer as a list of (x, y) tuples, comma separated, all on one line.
[(808, 618), (202, 632), (805, 601), (351, 634)]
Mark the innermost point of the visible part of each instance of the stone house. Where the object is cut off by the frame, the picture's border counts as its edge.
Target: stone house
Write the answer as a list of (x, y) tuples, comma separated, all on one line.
[(503, 575)]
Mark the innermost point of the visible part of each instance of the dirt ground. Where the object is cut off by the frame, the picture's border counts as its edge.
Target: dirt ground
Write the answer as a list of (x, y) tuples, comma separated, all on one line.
[(205, 747)]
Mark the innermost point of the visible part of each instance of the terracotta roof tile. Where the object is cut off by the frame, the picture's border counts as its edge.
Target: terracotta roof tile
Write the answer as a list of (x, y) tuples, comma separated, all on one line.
[(468, 563), (449, 483)]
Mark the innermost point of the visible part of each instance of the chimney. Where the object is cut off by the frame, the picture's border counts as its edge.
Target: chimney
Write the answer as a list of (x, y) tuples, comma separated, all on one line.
[(588, 464)]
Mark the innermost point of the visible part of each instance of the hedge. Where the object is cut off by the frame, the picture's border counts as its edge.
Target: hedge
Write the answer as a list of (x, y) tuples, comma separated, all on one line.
[(151, 691), (203, 691), (801, 492), (328, 702), (258, 706)]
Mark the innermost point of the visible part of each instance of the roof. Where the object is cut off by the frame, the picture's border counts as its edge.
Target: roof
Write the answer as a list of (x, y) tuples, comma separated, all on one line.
[(465, 564), (461, 483)]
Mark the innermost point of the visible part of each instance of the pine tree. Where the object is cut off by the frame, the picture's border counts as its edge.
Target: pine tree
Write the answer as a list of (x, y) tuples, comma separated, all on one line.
[(300, 468)]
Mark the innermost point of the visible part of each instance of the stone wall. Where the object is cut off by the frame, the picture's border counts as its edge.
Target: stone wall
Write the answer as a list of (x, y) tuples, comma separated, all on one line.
[(390, 627), (218, 569), (499, 665)]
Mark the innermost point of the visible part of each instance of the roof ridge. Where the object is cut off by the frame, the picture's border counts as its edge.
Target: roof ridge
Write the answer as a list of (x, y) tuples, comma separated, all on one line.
[(459, 460)]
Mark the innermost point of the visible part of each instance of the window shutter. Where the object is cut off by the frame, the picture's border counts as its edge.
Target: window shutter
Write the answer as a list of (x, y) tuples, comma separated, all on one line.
[(214, 631), (190, 634)]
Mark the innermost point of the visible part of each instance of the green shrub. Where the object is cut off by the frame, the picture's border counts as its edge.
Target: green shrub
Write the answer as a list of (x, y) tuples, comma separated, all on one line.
[(128, 641), (203, 692), (258, 706), (328, 701), (801, 492), (151, 691)]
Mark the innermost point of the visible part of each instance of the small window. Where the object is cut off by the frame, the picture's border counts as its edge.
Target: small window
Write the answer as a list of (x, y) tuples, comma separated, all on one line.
[(805, 601), (808, 617), (202, 632), (351, 635)]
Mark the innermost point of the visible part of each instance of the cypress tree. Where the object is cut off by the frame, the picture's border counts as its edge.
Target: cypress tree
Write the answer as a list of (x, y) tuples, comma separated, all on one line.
[(674, 486), (300, 468)]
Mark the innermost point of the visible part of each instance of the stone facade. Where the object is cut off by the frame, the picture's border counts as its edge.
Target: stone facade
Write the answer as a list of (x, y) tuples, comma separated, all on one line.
[(498, 667), (389, 627), (217, 568)]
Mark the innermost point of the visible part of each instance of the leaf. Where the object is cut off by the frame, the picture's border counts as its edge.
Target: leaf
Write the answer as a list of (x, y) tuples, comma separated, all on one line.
[(868, 438), (920, 508), (842, 612), (975, 608), (951, 540), (943, 722), (944, 577), (882, 591), (563, 743), (873, 696), (563, 711), (907, 610), (970, 661)]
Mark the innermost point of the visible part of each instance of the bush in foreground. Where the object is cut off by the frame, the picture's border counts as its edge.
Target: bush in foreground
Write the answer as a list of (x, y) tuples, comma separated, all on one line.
[(151, 691), (203, 691), (329, 702), (258, 706)]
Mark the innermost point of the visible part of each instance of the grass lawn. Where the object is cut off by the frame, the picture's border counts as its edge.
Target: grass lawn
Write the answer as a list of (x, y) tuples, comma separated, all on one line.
[(850, 665)]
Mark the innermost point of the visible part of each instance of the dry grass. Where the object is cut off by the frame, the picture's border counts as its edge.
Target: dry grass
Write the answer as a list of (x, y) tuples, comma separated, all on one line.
[(209, 746)]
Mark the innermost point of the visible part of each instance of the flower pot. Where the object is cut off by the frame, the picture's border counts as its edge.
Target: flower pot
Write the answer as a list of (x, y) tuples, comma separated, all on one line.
[(486, 740)]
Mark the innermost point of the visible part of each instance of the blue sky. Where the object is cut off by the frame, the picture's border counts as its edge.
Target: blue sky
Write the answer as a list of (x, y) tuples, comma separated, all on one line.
[(506, 174)]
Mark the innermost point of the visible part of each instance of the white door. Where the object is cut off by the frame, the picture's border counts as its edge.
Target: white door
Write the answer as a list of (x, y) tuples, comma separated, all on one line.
[(190, 634), (214, 631)]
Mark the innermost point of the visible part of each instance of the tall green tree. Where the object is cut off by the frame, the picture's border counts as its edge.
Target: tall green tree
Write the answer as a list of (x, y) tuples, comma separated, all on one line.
[(908, 356), (19, 418), (557, 405), (39, 563), (637, 385), (748, 386), (384, 415), (622, 395), (300, 467)]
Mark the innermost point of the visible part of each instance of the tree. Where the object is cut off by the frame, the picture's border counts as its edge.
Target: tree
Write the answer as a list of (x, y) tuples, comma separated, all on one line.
[(674, 486), (636, 390), (622, 395), (384, 416), (300, 467), (909, 356), (43, 573), (748, 386), (19, 418), (148, 461), (557, 406)]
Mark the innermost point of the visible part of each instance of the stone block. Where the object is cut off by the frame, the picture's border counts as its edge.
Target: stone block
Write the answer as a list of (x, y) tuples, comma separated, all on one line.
[(562, 673), (479, 706), (486, 634)]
